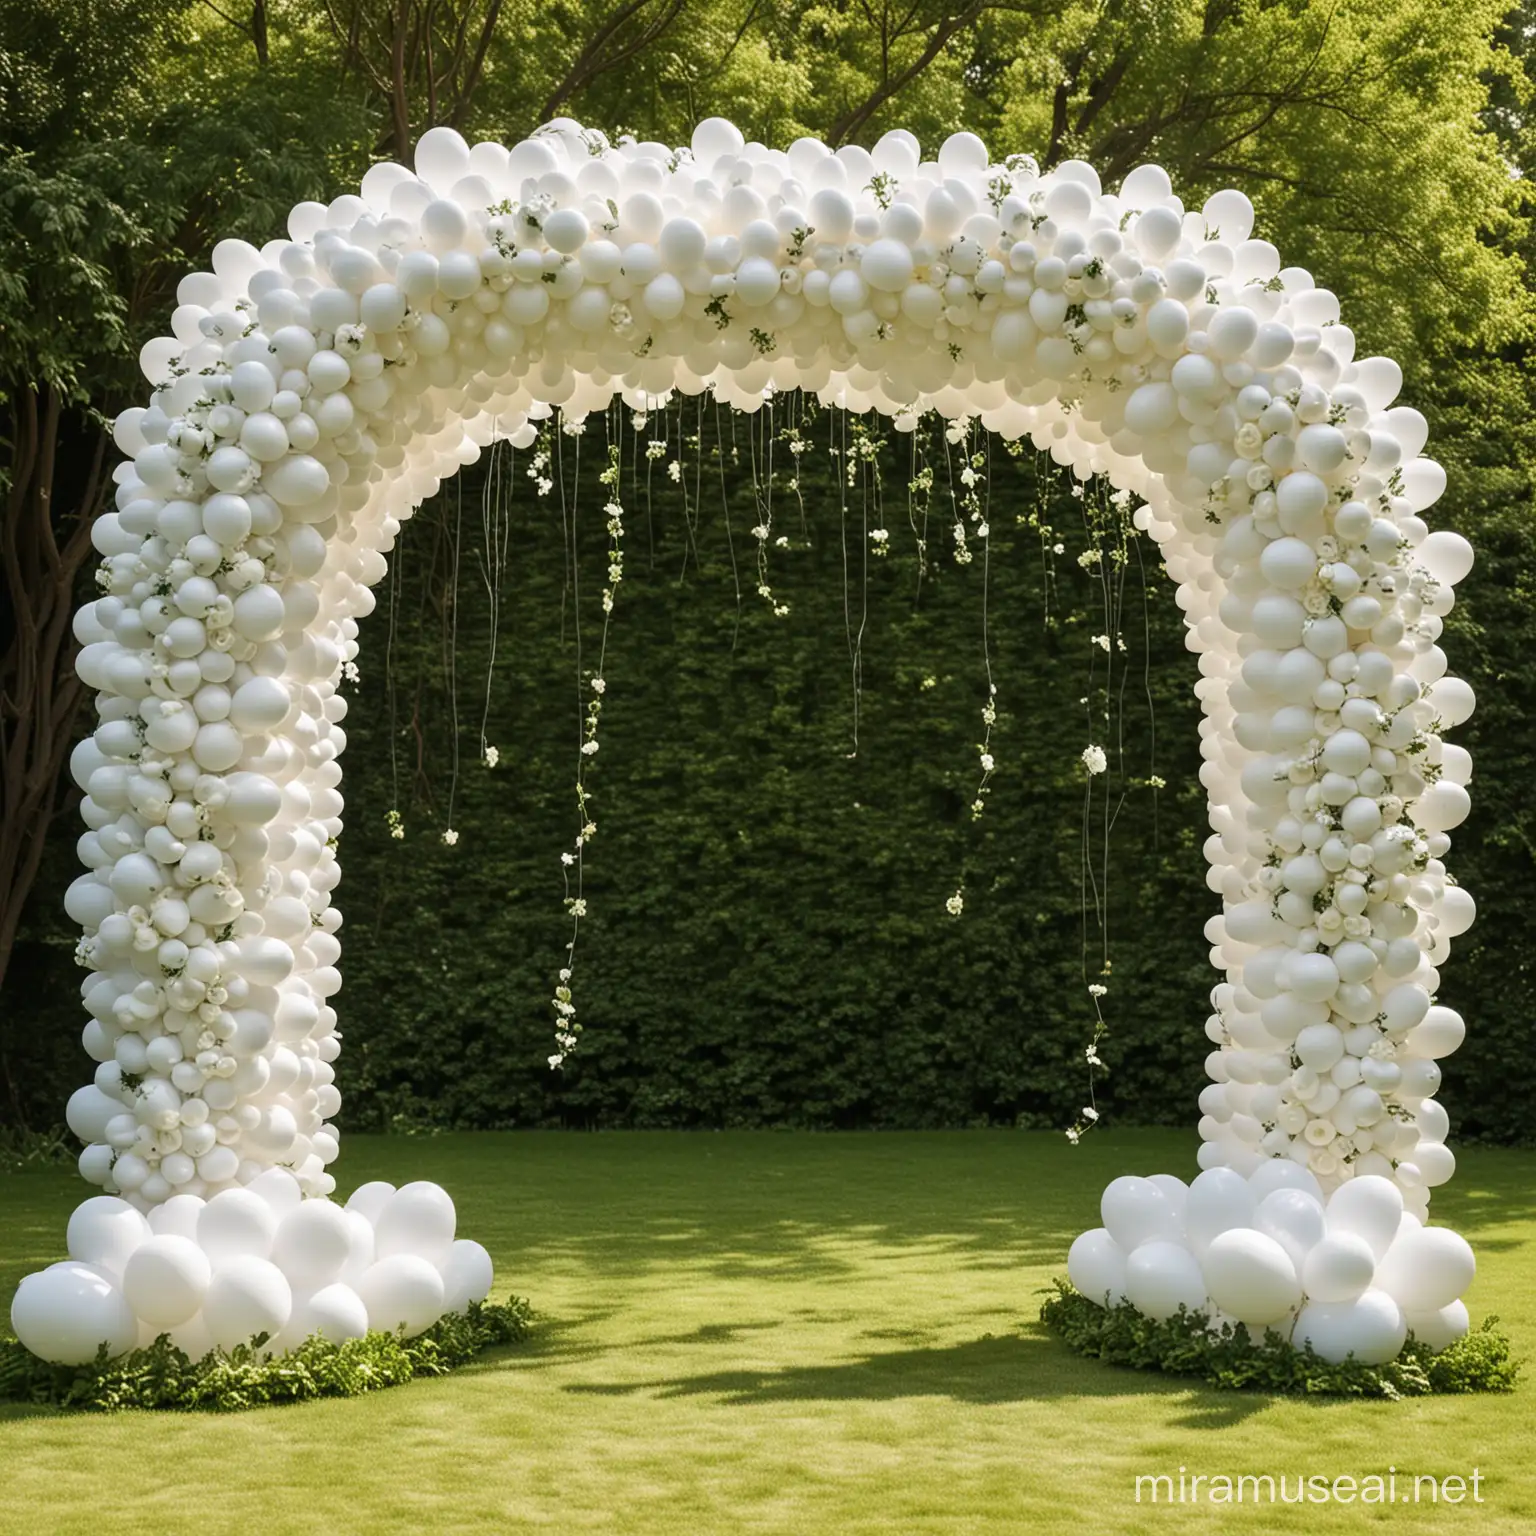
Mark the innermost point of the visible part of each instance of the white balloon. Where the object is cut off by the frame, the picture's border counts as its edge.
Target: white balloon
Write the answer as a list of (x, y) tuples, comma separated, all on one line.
[(1250, 1276), (236, 1224), (369, 1200), (1369, 1206), (402, 1291), (1161, 1277), (312, 1245), (65, 1313), (1339, 1268), (1096, 1265), (1441, 1328), (467, 1275), (1371, 1328), (335, 1312), (1219, 1200), (1295, 1219), (418, 1219), (166, 1279), (1426, 1268), (104, 1231), (247, 1296)]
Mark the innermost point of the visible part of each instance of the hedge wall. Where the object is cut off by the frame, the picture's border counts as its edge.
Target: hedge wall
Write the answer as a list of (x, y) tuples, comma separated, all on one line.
[(768, 943)]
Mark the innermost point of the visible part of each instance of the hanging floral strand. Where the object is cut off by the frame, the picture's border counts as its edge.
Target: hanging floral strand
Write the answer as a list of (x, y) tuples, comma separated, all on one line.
[(495, 502), (567, 1029), (450, 833), (1107, 559)]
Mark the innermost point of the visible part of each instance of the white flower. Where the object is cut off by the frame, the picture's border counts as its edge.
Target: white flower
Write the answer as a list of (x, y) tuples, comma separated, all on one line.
[(1058, 549), (955, 905), (599, 686), (1249, 441), (1091, 1056), (1090, 1113), (589, 748), (578, 907), (1097, 989), (492, 756), (987, 762), (1094, 759), (567, 859), (450, 837), (555, 1061), (675, 470), (1073, 1134), (1102, 641), (968, 477)]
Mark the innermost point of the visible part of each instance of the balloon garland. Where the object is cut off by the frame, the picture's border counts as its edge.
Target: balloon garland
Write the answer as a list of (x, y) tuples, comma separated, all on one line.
[(315, 391)]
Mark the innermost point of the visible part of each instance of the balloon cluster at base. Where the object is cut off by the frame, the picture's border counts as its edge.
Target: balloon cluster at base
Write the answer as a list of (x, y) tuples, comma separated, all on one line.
[(1351, 1273), (256, 1260), (316, 390)]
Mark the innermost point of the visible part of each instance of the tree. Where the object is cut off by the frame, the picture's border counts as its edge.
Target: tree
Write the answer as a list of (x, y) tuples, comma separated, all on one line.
[(112, 182)]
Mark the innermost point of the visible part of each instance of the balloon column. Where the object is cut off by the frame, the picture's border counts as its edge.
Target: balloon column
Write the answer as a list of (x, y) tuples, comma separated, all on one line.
[(313, 392)]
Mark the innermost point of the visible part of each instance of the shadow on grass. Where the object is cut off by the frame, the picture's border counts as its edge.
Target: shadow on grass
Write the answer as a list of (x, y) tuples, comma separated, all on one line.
[(992, 1370)]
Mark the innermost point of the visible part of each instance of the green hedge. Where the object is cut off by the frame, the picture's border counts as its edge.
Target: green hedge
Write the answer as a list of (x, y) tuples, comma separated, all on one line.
[(768, 943)]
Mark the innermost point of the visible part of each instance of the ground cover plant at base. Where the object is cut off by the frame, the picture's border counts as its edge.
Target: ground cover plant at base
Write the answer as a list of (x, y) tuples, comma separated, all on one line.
[(1184, 1345), (163, 1376)]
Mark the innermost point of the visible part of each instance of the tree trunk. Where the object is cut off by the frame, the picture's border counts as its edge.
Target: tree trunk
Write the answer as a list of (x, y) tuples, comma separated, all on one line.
[(41, 556)]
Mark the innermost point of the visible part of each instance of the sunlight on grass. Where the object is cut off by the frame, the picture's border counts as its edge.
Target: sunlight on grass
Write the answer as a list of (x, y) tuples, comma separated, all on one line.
[(780, 1333)]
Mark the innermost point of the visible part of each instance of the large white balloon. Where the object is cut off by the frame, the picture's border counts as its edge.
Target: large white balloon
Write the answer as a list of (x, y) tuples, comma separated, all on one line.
[(105, 1231), (166, 1279), (1426, 1268), (68, 1311), (246, 1297), (1096, 1265), (1250, 1276), (402, 1292), (1161, 1277), (467, 1275), (1371, 1328)]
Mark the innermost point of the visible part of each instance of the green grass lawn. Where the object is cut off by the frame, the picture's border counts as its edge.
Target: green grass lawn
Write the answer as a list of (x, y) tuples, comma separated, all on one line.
[(774, 1333)]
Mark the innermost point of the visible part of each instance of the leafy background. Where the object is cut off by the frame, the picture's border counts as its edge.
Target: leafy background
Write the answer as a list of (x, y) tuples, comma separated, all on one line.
[(768, 944)]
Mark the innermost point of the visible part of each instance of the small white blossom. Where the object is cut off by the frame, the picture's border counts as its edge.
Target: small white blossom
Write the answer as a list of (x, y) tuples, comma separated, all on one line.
[(1094, 759), (450, 836), (492, 756), (955, 905), (589, 749), (1097, 989), (1090, 1113), (988, 763)]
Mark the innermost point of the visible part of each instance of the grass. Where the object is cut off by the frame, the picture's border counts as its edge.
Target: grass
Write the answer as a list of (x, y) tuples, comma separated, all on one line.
[(754, 1333)]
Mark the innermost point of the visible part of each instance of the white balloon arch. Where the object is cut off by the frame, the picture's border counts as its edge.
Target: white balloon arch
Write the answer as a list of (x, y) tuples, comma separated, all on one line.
[(315, 391)]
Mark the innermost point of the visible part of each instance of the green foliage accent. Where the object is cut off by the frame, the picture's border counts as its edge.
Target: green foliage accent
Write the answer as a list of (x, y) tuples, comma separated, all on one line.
[(163, 1376), (1184, 1345)]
